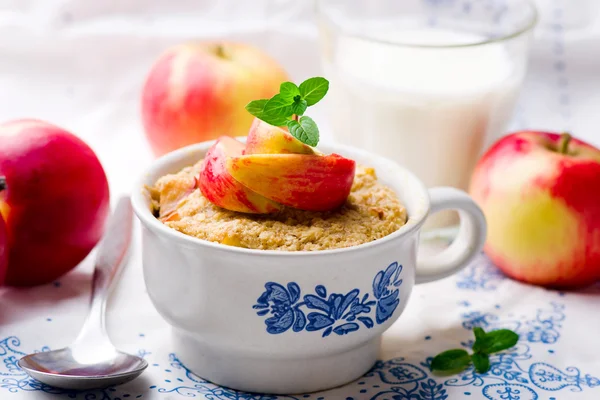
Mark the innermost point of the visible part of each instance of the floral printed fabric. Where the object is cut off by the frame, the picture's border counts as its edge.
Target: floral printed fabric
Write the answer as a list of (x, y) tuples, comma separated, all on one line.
[(550, 361)]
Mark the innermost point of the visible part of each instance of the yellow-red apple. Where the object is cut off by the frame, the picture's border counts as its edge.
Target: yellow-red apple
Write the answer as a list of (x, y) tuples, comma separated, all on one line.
[(540, 193), (306, 182), (219, 187), (264, 138), (197, 91), (54, 199), (3, 247)]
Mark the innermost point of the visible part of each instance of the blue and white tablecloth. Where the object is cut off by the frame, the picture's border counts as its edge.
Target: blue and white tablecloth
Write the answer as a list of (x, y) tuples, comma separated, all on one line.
[(59, 61), (556, 357)]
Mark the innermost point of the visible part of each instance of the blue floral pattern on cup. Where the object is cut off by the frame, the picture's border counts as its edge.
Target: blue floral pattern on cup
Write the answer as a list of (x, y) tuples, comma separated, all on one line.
[(385, 289), (330, 313)]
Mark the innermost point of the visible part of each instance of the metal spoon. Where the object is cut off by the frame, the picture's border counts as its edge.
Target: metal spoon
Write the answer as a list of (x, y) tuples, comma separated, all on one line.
[(92, 361)]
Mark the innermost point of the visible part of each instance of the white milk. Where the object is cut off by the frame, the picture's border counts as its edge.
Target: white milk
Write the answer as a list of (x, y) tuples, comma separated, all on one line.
[(429, 109)]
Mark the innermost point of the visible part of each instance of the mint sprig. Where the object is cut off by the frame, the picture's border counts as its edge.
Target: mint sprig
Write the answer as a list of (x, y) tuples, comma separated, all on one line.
[(287, 108), (456, 360)]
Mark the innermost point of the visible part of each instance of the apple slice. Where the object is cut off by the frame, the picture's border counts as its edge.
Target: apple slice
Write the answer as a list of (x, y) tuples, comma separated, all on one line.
[(306, 182), (219, 187), (268, 139)]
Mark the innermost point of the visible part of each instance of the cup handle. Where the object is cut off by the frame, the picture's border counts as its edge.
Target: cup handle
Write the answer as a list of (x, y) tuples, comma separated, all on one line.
[(468, 243)]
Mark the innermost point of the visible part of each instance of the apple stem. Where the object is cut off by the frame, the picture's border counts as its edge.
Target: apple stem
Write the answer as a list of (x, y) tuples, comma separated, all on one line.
[(3, 185), (220, 51), (296, 117), (563, 146)]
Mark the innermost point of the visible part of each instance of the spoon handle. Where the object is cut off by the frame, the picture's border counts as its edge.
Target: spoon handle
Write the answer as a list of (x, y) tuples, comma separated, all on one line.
[(112, 251)]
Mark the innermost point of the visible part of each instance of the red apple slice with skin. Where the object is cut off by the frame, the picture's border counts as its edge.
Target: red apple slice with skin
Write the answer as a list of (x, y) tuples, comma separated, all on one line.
[(306, 182), (219, 187), (264, 138)]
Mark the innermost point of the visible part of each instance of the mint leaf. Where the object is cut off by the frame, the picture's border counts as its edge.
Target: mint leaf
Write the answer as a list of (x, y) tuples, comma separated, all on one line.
[(479, 333), (278, 106), (481, 362), (496, 341), (486, 343), (304, 130), (314, 89), (479, 338), (275, 121), (256, 108), (451, 361), (288, 90), (299, 106)]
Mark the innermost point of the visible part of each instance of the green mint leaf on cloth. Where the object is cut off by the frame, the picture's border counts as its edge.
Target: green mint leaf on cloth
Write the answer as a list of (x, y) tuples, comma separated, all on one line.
[(256, 108), (314, 89), (451, 361), (495, 341), (479, 333), (288, 90), (279, 106), (479, 339), (304, 130), (299, 106), (486, 343), (481, 362)]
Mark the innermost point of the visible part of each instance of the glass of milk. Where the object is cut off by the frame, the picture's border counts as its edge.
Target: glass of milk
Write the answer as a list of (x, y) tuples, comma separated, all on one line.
[(427, 83)]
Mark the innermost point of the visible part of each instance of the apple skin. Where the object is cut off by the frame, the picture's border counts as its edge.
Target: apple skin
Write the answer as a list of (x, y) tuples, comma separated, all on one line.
[(197, 91), (55, 202), (3, 251), (542, 208), (264, 138), (305, 182), (219, 187)]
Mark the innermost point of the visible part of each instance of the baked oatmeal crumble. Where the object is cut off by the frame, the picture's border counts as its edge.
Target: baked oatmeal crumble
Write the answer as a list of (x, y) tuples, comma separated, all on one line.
[(371, 212)]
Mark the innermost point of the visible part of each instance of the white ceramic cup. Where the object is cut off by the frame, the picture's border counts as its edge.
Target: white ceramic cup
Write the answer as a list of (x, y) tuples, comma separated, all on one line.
[(294, 322)]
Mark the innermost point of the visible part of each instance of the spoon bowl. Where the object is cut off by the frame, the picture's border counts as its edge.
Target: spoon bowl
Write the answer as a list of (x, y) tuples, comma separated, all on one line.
[(65, 368)]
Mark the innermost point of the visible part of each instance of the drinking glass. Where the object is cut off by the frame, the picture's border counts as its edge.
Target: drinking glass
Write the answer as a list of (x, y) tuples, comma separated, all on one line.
[(427, 83)]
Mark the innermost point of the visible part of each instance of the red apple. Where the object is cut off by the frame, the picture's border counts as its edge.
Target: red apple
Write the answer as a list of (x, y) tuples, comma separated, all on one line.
[(306, 182), (55, 200), (219, 187), (540, 193), (197, 92), (3, 248)]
